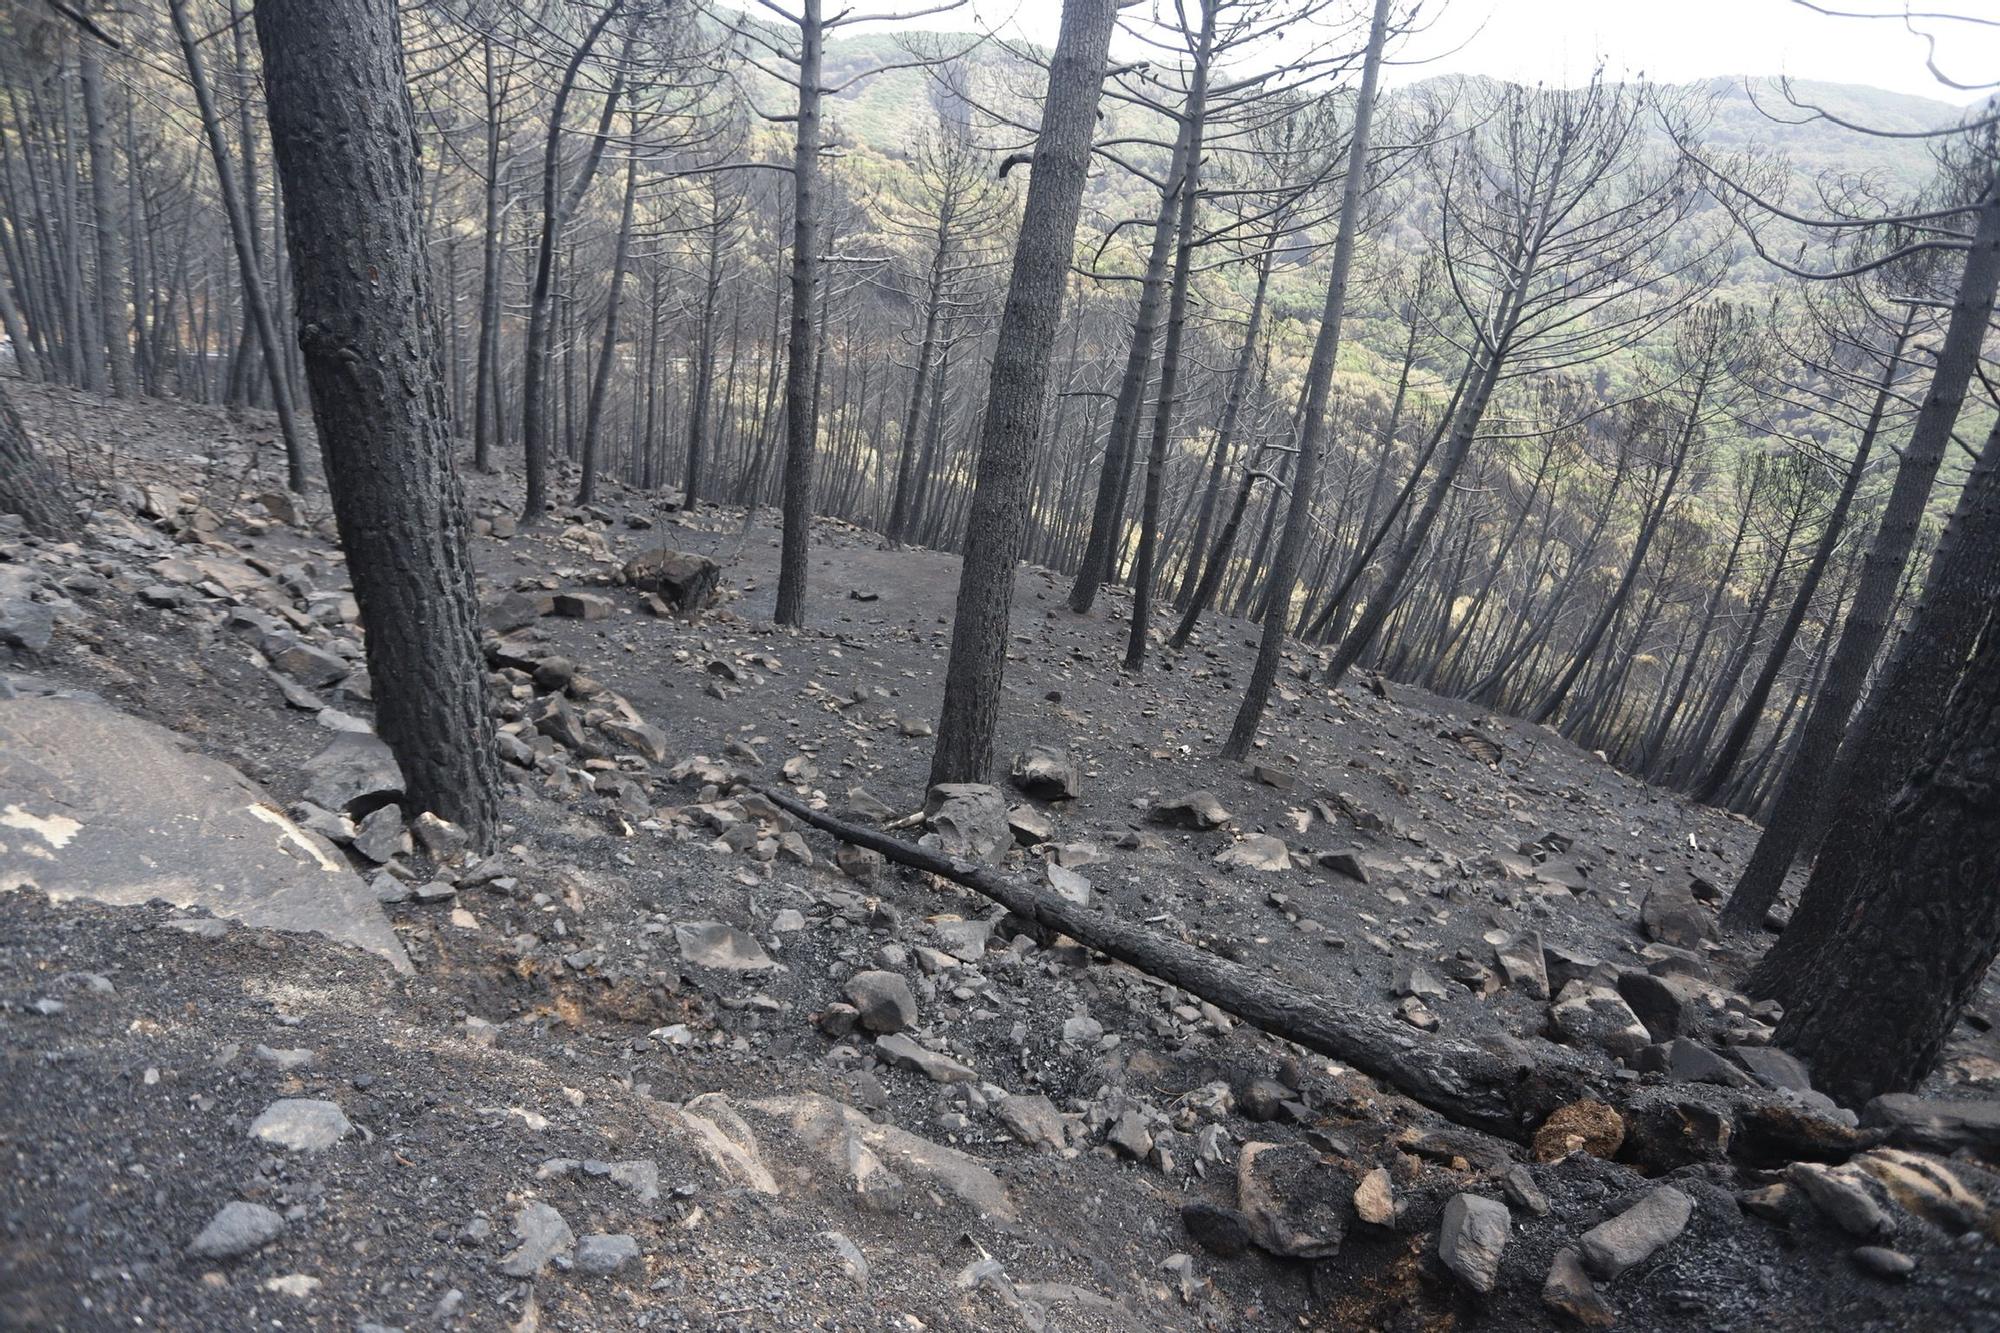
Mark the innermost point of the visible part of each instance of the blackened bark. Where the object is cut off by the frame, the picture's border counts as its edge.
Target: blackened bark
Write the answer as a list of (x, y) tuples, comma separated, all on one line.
[(28, 485), (242, 234), (1312, 430), (1016, 394), (1797, 805), (586, 490), (1925, 925), (117, 329), (344, 136), (801, 409), (1100, 550), (1887, 741)]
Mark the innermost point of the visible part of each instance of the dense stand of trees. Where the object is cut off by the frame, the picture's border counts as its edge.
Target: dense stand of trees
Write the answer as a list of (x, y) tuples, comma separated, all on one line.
[(1522, 395)]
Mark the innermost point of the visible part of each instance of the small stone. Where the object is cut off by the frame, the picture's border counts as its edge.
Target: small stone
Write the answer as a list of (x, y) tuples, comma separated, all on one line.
[(600, 1253), (543, 1236), (441, 839), (1196, 810), (1521, 1190), (1346, 863), (714, 944), (1259, 852), (1841, 1197), (884, 1001), (1637, 1234), (1598, 1016), (1884, 1262), (302, 1124), (582, 606), (1375, 1198), (1521, 964), (1130, 1134), (1471, 1237), (381, 837), (237, 1229), (1047, 773), (903, 1053), (1569, 1291), (1033, 1120)]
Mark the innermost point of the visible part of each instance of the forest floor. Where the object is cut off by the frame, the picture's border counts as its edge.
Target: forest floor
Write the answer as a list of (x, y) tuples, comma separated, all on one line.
[(616, 1087)]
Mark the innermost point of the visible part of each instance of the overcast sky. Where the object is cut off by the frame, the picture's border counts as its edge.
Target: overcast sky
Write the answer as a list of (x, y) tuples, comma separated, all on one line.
[(1556, 41)]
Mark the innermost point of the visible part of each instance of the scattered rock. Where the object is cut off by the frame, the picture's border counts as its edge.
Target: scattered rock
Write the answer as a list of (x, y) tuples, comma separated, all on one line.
[(1569, 1291), (543, 1236), (582, 606), (354, 773), (721, 946), (1375, 1198), (1257, 851), (1637, 1234), (302, 1124), (1521, 964), (1471, 1237), (1033, 1120), (968, 819), (1839, 1194), (237, 1229), (1598, 1016), (599, 1254), (1221, 1231), (1884, 1262), (1672, 916), (883, 1000), (903, 1053), (1047, 773), (1196, 810)]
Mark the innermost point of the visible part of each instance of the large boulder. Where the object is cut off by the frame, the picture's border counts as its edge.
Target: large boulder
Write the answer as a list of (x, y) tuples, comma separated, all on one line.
[(354, 774), (685, 581), (98, 804)]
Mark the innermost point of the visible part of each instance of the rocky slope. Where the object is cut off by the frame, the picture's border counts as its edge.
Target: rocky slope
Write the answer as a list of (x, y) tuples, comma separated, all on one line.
[(671, 1059)]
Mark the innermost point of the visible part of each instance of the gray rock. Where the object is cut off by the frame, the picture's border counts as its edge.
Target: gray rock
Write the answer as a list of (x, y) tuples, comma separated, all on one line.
[(1520, 1188), (1418, 980), (1637, 1234), (1670, 1006), (381, 836), (641, 738), (1032, 1119), (1696, 1063), (902, 1053), (355, 770), (1047, 773), (1196, 810), (1884, 1262), (601, 1253), (1569, 1291), (1943, 1124), (1067, 884), (1130, 1134), (24, 622), (883, 1000), (1564, 965), (969, 820), (582, 606), (717, 945), (852, 1261), (684, 580), (302, 1124), (543, 1236), (1471, 1237), (1597, 1016), (1256, 851), (312, 667), (1672, 916), (1780, 1069), (441, 839), (1347, 863), (113, 809), (237, 1229), (1840, 1195), (1521, 964)]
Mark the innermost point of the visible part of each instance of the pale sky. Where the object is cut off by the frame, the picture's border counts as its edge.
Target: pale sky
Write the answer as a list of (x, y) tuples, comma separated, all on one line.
[(1558, 41)]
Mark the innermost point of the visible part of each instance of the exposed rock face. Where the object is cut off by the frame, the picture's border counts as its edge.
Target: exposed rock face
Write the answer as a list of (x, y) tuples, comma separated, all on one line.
[(1047, 773), (112, 808), (685, 581)]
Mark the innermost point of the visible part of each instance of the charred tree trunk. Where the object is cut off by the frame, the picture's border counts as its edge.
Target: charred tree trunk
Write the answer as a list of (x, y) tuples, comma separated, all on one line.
[(344, 136), (29, 486), (1017, 392), (801, 410)]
